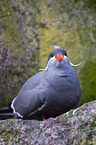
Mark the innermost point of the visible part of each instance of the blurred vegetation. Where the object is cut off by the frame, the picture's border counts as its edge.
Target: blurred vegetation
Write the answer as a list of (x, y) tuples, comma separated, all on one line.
[(19, 47), (28, 25), (71, 25)]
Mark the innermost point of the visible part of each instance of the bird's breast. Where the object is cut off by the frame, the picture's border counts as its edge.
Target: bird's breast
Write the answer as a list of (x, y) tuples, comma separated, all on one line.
[(59, 81)]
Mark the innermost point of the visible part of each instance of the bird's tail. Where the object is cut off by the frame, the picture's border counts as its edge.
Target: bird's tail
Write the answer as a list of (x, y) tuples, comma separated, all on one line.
[(5, 112)]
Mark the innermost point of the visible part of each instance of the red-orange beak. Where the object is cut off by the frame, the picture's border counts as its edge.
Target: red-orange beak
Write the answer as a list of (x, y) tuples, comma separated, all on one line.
[(59, 57)]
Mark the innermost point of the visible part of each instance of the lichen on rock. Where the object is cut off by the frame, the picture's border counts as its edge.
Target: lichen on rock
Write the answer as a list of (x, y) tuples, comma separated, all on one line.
[(76, 129)]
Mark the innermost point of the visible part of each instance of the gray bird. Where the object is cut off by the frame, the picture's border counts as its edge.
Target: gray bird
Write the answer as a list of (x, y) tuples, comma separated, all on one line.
[(49, 93)]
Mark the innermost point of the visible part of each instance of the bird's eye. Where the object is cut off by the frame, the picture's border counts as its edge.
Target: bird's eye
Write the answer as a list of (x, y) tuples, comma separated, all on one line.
[(65, 53), (51, 55)]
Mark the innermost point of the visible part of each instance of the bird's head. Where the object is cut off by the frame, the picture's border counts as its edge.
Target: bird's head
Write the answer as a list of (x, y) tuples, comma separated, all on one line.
[(55, 52), (58, 59)]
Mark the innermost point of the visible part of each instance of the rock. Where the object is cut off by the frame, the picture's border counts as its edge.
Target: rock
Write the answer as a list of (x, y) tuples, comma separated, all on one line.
[(19, 47), (70, 129)]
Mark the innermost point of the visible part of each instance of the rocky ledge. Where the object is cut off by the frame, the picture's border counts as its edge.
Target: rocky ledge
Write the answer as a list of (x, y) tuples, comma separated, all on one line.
[(68, 129)]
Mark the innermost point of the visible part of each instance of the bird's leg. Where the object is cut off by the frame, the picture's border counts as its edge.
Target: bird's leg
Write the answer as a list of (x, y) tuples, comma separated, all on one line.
[(43, 118)]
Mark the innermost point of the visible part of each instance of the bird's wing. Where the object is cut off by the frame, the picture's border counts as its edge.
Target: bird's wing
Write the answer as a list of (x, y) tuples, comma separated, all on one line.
[(32, 82), (31, 96)]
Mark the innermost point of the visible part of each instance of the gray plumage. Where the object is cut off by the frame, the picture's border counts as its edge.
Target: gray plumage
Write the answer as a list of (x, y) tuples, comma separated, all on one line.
[(49, 93)]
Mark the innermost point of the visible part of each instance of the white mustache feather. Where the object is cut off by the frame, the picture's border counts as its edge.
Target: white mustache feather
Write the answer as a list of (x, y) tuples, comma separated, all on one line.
[(65, 58), (75, 64)]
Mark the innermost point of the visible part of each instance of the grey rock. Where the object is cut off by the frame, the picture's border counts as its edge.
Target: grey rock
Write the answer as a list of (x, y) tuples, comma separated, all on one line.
[(67, 129)]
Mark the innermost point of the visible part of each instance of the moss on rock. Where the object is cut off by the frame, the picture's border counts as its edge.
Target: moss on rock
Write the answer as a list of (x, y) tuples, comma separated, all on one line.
[(19, 47), (71, 25), (76, 129)]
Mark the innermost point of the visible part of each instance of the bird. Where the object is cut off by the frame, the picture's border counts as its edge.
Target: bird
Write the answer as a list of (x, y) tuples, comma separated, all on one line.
[(49, 93)]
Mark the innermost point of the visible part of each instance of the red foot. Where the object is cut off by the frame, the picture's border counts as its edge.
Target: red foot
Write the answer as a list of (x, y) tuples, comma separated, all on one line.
[(43, 118)]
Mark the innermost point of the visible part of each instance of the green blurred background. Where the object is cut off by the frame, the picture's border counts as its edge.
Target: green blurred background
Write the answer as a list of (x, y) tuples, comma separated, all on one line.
[(29, 29)]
